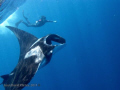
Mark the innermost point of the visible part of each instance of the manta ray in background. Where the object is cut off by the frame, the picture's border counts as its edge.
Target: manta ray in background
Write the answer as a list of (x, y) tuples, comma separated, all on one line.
[(34, 53), (8, 7)]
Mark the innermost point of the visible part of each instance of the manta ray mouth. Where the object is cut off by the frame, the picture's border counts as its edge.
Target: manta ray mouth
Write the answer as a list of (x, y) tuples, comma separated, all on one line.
[(55, 40)]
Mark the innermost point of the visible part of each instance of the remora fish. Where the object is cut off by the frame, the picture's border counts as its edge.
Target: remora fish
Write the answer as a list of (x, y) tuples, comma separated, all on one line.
[(34, 52)]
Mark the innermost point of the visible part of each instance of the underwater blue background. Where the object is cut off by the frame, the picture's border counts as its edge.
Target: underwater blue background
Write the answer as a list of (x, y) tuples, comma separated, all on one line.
[(91, 58)]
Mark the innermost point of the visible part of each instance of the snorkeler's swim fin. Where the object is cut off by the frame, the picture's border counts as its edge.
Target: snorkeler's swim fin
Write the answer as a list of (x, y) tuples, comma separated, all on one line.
[(17, 24)]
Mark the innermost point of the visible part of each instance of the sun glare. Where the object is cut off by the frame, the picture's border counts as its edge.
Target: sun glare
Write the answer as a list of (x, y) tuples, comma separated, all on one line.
[(11, 18)]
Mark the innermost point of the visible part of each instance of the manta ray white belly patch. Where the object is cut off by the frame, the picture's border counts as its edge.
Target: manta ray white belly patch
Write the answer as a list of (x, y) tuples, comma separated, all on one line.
[(35, 52)]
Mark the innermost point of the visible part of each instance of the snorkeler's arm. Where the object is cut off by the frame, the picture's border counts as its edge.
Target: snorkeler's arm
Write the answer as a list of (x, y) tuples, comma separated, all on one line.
[(51, 21)]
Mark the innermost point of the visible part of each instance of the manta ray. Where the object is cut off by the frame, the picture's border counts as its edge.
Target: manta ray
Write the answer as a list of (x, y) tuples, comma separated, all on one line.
[(34, 53), (8, 7)]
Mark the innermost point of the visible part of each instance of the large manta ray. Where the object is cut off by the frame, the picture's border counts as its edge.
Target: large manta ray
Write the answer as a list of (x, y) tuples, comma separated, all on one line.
[(8, 7), (34, 52)]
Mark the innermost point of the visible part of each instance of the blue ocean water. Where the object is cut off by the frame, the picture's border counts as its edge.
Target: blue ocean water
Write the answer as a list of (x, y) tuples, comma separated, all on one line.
[(90, 59)]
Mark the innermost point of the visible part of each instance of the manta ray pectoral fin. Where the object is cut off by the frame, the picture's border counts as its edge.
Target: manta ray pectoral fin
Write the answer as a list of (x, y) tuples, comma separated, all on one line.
[(5, 77), (25, 39)]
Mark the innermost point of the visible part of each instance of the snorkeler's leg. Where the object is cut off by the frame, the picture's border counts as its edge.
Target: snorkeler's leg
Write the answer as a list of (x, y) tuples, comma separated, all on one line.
[(17, 24), (24, 15), (26, 18), (29, 25), (26, 24)]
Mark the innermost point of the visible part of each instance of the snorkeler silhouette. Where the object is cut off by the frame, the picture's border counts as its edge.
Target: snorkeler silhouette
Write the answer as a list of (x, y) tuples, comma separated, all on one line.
[(38, 23)]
